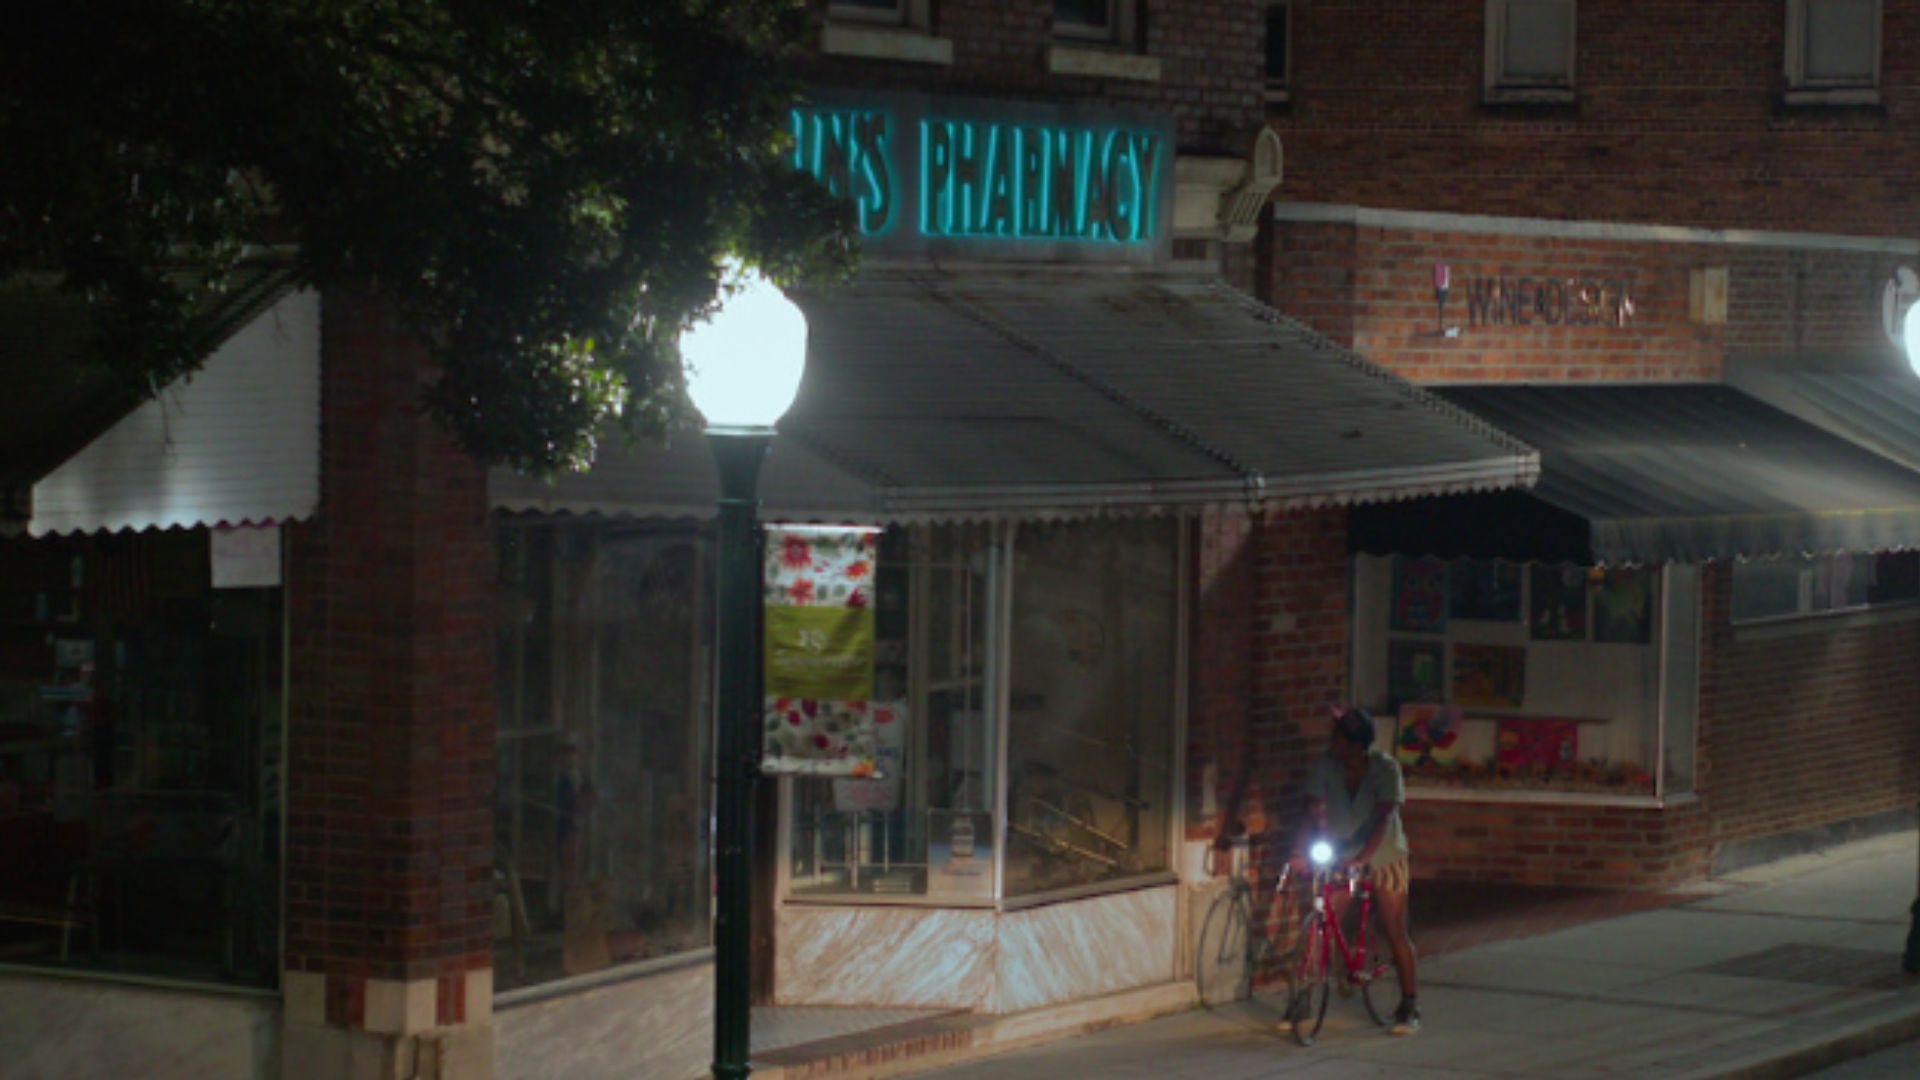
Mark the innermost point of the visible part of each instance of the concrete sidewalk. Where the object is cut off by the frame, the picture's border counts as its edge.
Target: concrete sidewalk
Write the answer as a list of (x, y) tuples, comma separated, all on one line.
[(1773, 971)]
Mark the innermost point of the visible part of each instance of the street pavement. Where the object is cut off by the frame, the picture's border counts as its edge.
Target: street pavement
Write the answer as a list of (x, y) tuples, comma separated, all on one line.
[(1894, 1063), (1776, 971)]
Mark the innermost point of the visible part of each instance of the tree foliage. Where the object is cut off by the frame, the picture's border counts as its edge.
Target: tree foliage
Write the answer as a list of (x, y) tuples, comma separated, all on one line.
[(542, 190)]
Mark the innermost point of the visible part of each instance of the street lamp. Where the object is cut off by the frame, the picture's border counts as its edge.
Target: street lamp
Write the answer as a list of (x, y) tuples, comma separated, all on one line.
[(743, 367)]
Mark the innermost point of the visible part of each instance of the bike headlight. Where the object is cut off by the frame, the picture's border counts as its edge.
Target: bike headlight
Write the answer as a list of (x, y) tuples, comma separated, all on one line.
[(1321, 852)]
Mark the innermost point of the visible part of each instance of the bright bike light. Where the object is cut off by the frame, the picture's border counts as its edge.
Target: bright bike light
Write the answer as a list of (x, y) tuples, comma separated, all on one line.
[(1321, 852)]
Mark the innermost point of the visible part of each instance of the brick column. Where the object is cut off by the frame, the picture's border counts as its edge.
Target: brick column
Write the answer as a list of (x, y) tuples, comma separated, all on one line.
[(1299, 647), (390, 742), (1219, 660)]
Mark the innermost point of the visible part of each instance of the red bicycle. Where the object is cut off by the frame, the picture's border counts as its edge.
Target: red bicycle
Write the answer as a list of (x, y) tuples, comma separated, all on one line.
[(1322, 941)]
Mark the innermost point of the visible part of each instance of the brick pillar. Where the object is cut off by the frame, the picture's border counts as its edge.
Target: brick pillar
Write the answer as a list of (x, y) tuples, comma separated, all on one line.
[(1218, 662), (390, 742), (1300, 646)]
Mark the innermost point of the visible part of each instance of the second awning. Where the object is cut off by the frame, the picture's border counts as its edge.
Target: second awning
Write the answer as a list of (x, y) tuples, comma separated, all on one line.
[(1653, 474)]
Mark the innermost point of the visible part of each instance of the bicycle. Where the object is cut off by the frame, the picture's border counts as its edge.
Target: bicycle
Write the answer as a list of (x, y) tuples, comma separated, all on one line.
[(1231, 949), (1322, 939)]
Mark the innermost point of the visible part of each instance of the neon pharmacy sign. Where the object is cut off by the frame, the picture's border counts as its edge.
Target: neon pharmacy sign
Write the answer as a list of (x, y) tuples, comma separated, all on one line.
[(993, 179)]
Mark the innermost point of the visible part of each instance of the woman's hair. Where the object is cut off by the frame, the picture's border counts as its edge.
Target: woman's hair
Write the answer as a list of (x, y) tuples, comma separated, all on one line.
[(1356, 725)]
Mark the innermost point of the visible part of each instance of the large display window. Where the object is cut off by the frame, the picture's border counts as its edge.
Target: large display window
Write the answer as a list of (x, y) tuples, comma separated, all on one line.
[(1028, 682), (924, 827), (1531, 678), (602, 819), (140, 760)]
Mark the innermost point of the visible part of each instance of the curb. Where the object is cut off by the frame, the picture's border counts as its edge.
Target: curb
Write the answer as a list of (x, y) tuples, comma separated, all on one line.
[(1846, 1042)]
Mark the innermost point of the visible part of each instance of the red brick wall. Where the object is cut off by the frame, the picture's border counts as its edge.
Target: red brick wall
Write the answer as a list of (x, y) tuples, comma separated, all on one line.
[(1807, 729), (1604, 847), (391, 767), (1218, 674), (1269, 655), (1212, 73), (1371, 288), (1678, 120)]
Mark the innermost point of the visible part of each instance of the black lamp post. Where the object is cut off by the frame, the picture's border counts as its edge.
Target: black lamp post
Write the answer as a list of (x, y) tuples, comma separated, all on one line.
[(743, 368), (1910, 336)]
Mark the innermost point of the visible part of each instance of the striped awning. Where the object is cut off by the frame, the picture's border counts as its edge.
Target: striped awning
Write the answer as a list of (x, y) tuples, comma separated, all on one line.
[(236, 443), (980, 393), (1655, 474)]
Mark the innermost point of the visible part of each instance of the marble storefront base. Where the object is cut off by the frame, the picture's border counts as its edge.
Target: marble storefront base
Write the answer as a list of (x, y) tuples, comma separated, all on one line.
[(59, 1027), (976, 959), (659, 1024)]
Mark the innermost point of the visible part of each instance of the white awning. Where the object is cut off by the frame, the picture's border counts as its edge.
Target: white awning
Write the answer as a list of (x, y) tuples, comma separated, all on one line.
[(1011, 392), (235, 443)]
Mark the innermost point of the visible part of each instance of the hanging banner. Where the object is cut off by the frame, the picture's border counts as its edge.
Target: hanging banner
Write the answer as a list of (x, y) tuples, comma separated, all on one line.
[(819, 634)]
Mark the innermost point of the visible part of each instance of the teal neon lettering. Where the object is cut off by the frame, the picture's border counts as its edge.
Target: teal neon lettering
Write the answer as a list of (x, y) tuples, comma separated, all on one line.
[(966, 180), (1030, 204), (936, 175), (1091, 212), (996, 213), (876, 206), (1060, 180), (1115, 167), (1146, 174)]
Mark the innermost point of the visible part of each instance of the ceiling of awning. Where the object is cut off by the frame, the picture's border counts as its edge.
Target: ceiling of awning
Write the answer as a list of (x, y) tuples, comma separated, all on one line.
[(1874, 404), (989, 392), (56, 401), (236, 443), (1651, 474)]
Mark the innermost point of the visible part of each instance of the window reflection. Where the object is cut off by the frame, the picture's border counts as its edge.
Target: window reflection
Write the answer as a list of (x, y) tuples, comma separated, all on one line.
[(601, 825)]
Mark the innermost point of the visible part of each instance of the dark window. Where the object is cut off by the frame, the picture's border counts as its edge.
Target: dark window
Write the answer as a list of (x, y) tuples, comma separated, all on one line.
[(1787, 588), (1084, 18), (1277, 20), (140, 759)]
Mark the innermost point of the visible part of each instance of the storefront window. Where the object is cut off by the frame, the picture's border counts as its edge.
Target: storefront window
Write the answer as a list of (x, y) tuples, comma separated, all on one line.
[(601, 825), (925, 827), (1533, 677), (140, 760), (1680, 686), (1091, 733), (1827, 584)]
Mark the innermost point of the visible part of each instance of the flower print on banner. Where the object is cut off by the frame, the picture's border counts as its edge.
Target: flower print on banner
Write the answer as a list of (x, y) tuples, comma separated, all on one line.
[(819, 634)]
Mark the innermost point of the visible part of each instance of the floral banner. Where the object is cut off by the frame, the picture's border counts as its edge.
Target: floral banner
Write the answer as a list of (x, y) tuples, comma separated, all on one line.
[(819, 651)]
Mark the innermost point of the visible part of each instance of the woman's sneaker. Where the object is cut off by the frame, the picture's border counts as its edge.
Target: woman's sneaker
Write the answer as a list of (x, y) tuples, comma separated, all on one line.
[(1406, 1018)]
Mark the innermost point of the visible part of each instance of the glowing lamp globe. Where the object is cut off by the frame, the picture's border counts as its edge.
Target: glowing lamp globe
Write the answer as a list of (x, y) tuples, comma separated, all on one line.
[(1912, 335), (743, 365)]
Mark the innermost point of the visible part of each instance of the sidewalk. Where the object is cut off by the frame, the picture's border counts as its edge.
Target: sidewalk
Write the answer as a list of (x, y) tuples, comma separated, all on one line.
[(1771, 972)]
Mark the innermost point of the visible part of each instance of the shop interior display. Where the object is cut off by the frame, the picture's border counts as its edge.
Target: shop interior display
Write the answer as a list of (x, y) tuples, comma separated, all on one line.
[(600, 846), (139, 760), (1507, 676)]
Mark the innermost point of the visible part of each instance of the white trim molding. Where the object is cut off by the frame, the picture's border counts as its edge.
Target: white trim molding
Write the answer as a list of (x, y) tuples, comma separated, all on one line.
[(1550, 228)]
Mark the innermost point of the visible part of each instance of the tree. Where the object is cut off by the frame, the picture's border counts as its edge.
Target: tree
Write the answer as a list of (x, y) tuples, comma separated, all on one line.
[(541, 191)]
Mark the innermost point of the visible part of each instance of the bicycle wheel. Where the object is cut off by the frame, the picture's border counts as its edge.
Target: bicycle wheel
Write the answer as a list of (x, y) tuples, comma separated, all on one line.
[(1223, 958), (1313, 983), (1379, 966)]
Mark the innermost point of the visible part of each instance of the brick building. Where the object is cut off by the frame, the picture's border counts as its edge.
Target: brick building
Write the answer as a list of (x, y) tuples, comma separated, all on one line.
[(1134, 531), (1730, 190)]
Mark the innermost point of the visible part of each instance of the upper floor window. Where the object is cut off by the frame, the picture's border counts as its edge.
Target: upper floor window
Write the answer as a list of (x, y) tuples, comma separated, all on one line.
[(1530, 49), (1100, 21), (889, 12), (1100, 39), (1833, 51), (884, 30), (1279, 46), (1792, 587)]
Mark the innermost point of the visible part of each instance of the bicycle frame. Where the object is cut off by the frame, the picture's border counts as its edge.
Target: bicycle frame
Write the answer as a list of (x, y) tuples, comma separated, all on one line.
[(1353, 955)]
